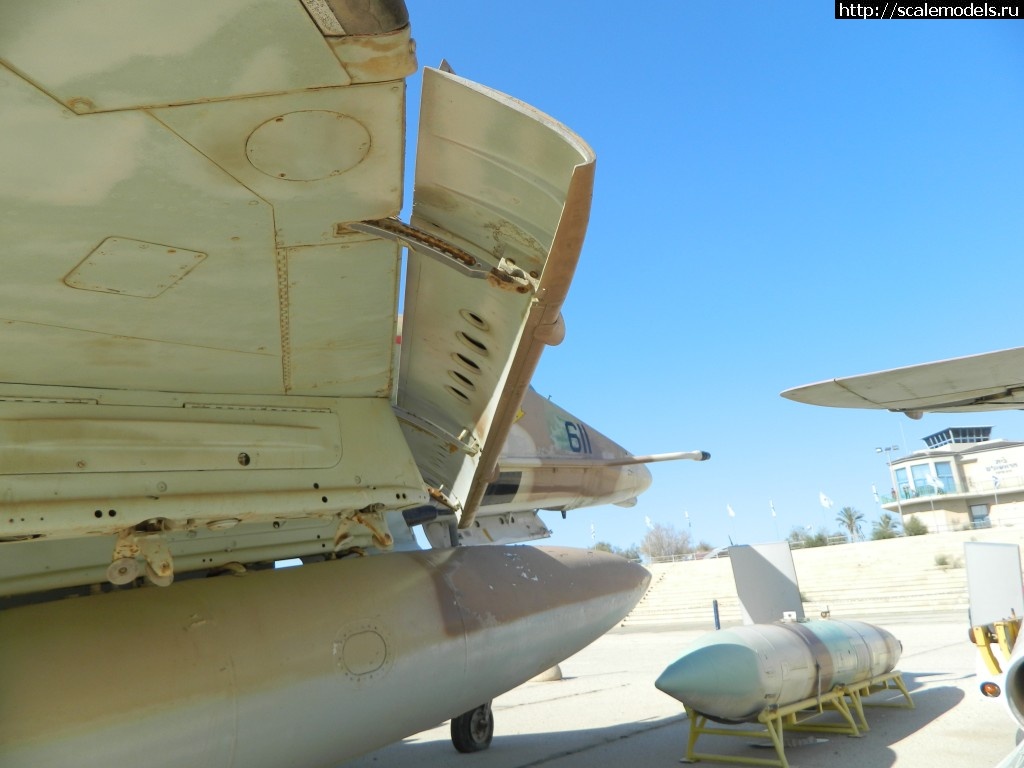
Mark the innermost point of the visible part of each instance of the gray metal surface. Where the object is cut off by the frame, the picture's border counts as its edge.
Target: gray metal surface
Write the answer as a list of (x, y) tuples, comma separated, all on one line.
[(766, 582)]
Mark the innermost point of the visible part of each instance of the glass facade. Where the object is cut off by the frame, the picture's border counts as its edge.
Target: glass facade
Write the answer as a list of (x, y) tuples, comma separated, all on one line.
[(958, 435), (925, 479)]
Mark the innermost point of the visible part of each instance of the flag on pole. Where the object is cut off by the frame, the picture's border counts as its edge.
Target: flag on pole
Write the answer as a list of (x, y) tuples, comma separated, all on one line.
[(728, 508), (771, 506), (826, 502)]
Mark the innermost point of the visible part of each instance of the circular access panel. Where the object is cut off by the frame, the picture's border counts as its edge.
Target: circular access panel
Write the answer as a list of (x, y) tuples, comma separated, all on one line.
[(308, 146), (361, 651)]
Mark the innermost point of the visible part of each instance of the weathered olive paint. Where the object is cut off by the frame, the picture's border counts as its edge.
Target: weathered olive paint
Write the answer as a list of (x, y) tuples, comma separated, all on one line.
[(294, 667)]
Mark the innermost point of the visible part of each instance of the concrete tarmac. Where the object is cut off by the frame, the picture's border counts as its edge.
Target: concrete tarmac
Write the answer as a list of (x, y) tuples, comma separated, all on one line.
[(605, 711)]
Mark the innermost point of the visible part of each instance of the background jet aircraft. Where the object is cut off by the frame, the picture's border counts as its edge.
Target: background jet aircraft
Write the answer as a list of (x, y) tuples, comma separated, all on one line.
[(202, 267)]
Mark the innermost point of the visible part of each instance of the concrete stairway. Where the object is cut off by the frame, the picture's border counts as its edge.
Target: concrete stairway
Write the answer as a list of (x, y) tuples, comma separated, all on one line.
[(915, 576)]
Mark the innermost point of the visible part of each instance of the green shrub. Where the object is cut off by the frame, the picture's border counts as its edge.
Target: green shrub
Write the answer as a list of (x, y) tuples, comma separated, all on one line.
[(912, 526)]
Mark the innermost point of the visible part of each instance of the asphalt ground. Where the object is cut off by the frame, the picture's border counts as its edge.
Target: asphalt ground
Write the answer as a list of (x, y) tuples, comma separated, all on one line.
[(605, 711)]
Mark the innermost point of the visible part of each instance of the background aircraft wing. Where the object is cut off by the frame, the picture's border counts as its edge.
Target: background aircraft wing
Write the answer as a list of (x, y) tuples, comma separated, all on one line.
[(986, 382)]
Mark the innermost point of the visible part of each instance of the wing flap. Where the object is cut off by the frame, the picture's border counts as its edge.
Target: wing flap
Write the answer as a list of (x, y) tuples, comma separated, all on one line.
[(511, 188)]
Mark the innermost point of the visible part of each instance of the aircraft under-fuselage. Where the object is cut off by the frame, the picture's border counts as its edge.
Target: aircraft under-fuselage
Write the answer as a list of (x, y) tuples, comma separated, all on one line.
[(203, 259)]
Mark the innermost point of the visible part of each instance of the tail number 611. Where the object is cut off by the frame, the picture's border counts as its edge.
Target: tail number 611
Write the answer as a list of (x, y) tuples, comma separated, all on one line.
[(579, 440)]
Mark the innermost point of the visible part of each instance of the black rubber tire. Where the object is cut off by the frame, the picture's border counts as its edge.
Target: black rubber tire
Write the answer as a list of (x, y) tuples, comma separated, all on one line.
[(472, 731)]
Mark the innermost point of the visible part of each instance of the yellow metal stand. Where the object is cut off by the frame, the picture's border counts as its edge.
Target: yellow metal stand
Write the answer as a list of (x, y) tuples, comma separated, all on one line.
[(796, 717), (890, 681), (1003, 633), (698, 726)]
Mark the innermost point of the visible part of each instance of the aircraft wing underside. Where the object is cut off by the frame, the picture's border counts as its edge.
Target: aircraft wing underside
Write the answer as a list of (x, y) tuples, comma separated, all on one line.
[(202, 264), (986, 382)]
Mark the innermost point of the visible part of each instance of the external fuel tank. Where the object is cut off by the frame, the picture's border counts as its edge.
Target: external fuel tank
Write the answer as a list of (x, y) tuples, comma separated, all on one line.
[(732, 675), (296, 666)]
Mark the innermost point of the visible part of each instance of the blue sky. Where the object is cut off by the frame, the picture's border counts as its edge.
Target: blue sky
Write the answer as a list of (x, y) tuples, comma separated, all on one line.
[(781, 198)]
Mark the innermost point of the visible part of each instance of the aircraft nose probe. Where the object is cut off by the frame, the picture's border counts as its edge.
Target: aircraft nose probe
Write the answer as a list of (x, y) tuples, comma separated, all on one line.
[(653, 457), (677, 456)]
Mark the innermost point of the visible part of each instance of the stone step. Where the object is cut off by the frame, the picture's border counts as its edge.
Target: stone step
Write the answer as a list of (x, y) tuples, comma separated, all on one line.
[(885, 578)]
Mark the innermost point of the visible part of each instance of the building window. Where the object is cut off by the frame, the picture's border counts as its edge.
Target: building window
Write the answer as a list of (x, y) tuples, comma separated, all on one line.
[(922, 474), (902, 486), (944, 474), (979, 515)]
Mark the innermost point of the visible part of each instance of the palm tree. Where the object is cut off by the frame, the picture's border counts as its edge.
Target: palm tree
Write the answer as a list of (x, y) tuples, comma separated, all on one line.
[(849, 518), (885, 527)]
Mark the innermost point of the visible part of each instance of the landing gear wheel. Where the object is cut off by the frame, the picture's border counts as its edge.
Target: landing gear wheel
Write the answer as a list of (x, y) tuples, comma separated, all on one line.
[(472, 731)]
